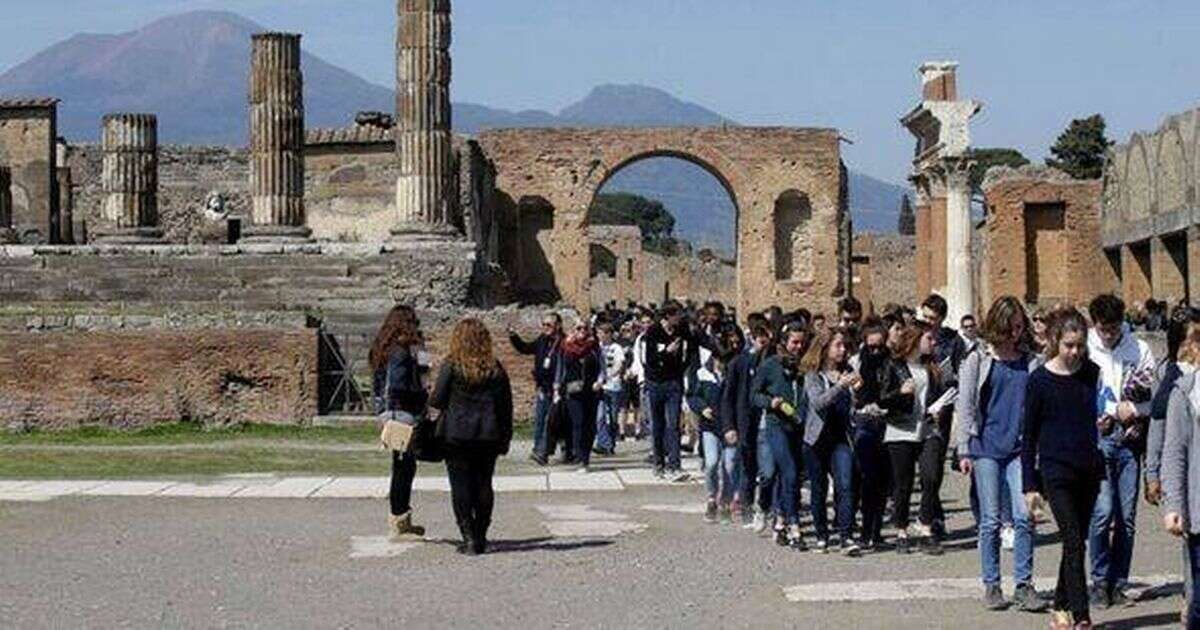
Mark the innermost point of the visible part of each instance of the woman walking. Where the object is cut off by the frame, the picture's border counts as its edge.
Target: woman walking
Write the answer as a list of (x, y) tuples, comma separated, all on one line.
[(829, 383), (1180, 473), (577, 386), (1060, 448), (475, 397), (399, 396), (720, 453), (991, 421), (916, 402)]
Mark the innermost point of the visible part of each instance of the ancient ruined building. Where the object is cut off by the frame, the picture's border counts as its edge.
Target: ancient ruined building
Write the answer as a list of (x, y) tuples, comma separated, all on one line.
[(1150, 224), (275, 324), (941, 124), (1041, 238)]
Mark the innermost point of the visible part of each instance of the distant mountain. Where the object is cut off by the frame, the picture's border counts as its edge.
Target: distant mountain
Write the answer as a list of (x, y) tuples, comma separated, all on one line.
[(192, 70)]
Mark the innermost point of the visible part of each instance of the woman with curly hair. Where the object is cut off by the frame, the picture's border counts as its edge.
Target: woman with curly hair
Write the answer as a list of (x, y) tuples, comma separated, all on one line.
[(399, 396), (475, 397)]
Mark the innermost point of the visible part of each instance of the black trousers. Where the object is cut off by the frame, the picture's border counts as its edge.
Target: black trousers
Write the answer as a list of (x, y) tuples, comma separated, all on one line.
[(471, 492), (1071, 501), (404, 468), (906, 456)]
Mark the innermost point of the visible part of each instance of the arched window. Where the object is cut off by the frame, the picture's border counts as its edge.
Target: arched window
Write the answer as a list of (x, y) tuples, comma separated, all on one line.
[(793, 239)]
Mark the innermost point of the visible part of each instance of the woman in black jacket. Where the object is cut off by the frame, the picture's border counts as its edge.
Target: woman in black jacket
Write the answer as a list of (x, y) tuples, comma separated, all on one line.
[(475, 397), (399, 396), (576, 387)]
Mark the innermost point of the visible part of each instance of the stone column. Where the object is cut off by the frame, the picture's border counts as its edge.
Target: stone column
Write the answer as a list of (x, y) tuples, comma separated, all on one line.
[(8, 235), (130, 179), (423, 141), (276, 139), (960, 289), (66, 195)]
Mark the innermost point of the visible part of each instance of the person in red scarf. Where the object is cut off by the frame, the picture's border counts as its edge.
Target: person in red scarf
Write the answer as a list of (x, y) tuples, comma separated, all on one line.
[(576, 387)]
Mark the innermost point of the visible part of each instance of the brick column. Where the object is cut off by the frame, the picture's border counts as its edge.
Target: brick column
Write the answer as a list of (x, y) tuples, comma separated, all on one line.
[(276, 139), (1167, 264), (8, 235), (1136, 279), (130, 179), (423, 137)]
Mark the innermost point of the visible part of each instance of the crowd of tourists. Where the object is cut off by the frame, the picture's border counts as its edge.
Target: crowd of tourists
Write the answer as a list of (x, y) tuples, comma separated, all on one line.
[(1052, 407)]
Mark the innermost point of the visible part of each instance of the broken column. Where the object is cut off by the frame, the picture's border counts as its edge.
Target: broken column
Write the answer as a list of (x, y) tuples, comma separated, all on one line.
[(423, 141), (130, 179), (276, 139), (941, 124), (66, 194), (8, 235)]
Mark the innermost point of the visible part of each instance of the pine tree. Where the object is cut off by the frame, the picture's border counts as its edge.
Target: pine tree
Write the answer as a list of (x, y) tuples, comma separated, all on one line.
[(907, 223), (1080, 150)]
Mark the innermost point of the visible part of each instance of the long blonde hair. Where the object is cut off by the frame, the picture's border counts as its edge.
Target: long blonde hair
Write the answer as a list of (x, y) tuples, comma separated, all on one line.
[(471, 353)]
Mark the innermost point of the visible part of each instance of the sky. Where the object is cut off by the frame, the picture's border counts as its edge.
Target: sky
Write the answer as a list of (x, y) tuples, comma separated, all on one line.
[(844, 64)]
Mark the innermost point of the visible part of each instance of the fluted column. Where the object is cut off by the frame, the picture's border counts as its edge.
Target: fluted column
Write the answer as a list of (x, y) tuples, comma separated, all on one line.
[(276, 139), (960, 289), (8, 235), (423, 138), (130, 179)]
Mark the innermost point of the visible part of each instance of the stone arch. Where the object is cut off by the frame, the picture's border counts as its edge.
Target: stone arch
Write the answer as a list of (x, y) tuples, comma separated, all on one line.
[(1172, 170), (792, 239), (1139, 182), (595, 185)]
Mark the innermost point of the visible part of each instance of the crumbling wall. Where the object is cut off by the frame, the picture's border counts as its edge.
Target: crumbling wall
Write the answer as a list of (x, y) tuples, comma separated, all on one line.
[(28, 131)]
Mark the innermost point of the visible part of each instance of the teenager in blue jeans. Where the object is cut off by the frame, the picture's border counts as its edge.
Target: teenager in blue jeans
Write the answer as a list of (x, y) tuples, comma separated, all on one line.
[(991, 405), (612, 390), (828, 384), (720, 452), (742, 419), (778, 390)]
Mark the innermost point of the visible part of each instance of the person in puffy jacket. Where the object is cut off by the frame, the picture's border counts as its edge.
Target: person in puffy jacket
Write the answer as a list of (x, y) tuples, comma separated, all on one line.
[(474, 395)]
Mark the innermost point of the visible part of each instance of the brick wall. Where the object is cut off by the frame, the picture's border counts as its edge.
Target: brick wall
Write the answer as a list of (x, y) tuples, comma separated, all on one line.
[(57, 380)]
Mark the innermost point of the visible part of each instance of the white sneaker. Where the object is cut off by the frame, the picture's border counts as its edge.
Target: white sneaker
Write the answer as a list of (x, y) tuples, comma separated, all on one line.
[(583, 470), (1008, 537), (759, 523)]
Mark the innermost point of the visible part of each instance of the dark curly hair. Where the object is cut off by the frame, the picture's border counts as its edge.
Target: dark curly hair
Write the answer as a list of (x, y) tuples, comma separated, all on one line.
[(400, 329)]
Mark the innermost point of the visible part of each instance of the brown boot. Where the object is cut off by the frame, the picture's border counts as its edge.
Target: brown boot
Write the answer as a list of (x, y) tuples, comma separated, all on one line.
[(401, 528)]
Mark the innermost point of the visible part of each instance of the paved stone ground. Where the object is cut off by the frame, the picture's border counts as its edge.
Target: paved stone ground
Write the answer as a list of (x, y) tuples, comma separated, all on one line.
[(637, 558)]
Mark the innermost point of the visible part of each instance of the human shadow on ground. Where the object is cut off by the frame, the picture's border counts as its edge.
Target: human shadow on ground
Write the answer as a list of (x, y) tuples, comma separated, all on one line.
[(1159, 619), (544, 543)]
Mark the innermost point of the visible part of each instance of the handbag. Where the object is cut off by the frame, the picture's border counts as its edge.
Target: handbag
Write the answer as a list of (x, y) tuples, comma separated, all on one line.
[(426, 446)]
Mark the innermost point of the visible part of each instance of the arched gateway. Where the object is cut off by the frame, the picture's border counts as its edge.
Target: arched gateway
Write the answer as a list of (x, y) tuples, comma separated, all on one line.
[(784, 256)]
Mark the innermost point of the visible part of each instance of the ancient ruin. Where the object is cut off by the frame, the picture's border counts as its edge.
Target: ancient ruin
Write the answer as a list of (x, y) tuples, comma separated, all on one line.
[(7, 234), (1150, 212), (941, 124), (276, 139), (423, 136), (1040, 238), (130, 179), (28, 129)]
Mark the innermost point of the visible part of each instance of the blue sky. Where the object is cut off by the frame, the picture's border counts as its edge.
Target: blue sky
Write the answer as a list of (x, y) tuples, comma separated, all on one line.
[(844, 64)]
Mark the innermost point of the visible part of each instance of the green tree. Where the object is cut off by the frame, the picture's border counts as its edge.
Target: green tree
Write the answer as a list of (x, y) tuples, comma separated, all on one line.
[(907, 222), (655, 221), (1080, 150), (983, 159)]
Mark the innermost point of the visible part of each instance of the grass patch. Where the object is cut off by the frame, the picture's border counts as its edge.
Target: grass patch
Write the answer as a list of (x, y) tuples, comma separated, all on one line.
[(182, 433), (59, 464)]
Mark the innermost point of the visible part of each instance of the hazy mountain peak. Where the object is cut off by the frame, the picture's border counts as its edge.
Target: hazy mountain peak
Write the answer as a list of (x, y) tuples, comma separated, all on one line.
[(633, 105)]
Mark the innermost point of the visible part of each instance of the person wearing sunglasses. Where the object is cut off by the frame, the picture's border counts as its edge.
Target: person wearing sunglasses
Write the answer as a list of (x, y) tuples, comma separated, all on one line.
[(544, 351)]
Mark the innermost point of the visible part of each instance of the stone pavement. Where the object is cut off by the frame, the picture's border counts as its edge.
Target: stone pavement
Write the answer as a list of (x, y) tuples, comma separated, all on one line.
[(279, 487), (637, 558)]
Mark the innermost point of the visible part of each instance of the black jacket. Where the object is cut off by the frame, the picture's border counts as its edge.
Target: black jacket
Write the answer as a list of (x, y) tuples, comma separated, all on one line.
[(663, 366), (899, 405), (545, 357), (404, 392), (583, 369), (737, 412), (475, 417)]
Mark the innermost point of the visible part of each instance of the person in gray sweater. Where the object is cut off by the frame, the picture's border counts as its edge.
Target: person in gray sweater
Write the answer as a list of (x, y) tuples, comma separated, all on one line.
[(1180, 472)]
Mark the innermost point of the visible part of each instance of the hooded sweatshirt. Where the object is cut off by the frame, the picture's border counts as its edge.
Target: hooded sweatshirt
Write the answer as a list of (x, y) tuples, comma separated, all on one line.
[(1116, 365)]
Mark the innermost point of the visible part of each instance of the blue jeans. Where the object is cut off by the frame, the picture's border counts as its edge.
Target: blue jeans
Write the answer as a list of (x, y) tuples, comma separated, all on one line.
[(1192, 571), (990, 475), (765, 478), (782, 446), (608, 418), (824, 459), (1111, 533), (541, 408), (666, 401), (873, 467), (720, 461)]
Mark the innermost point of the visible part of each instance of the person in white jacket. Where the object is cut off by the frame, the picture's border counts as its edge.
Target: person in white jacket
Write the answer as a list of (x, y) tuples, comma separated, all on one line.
[(1127, 381)]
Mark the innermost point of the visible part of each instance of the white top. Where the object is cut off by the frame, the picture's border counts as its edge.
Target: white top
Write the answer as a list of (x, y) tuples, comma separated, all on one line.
[(916, 429)]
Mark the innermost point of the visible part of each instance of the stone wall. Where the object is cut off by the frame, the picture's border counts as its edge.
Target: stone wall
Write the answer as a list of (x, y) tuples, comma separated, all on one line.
[(552, 175), (28, 130), (885, 270), (1151, 210), (135, 378), (350, 189), (1043, 232)]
